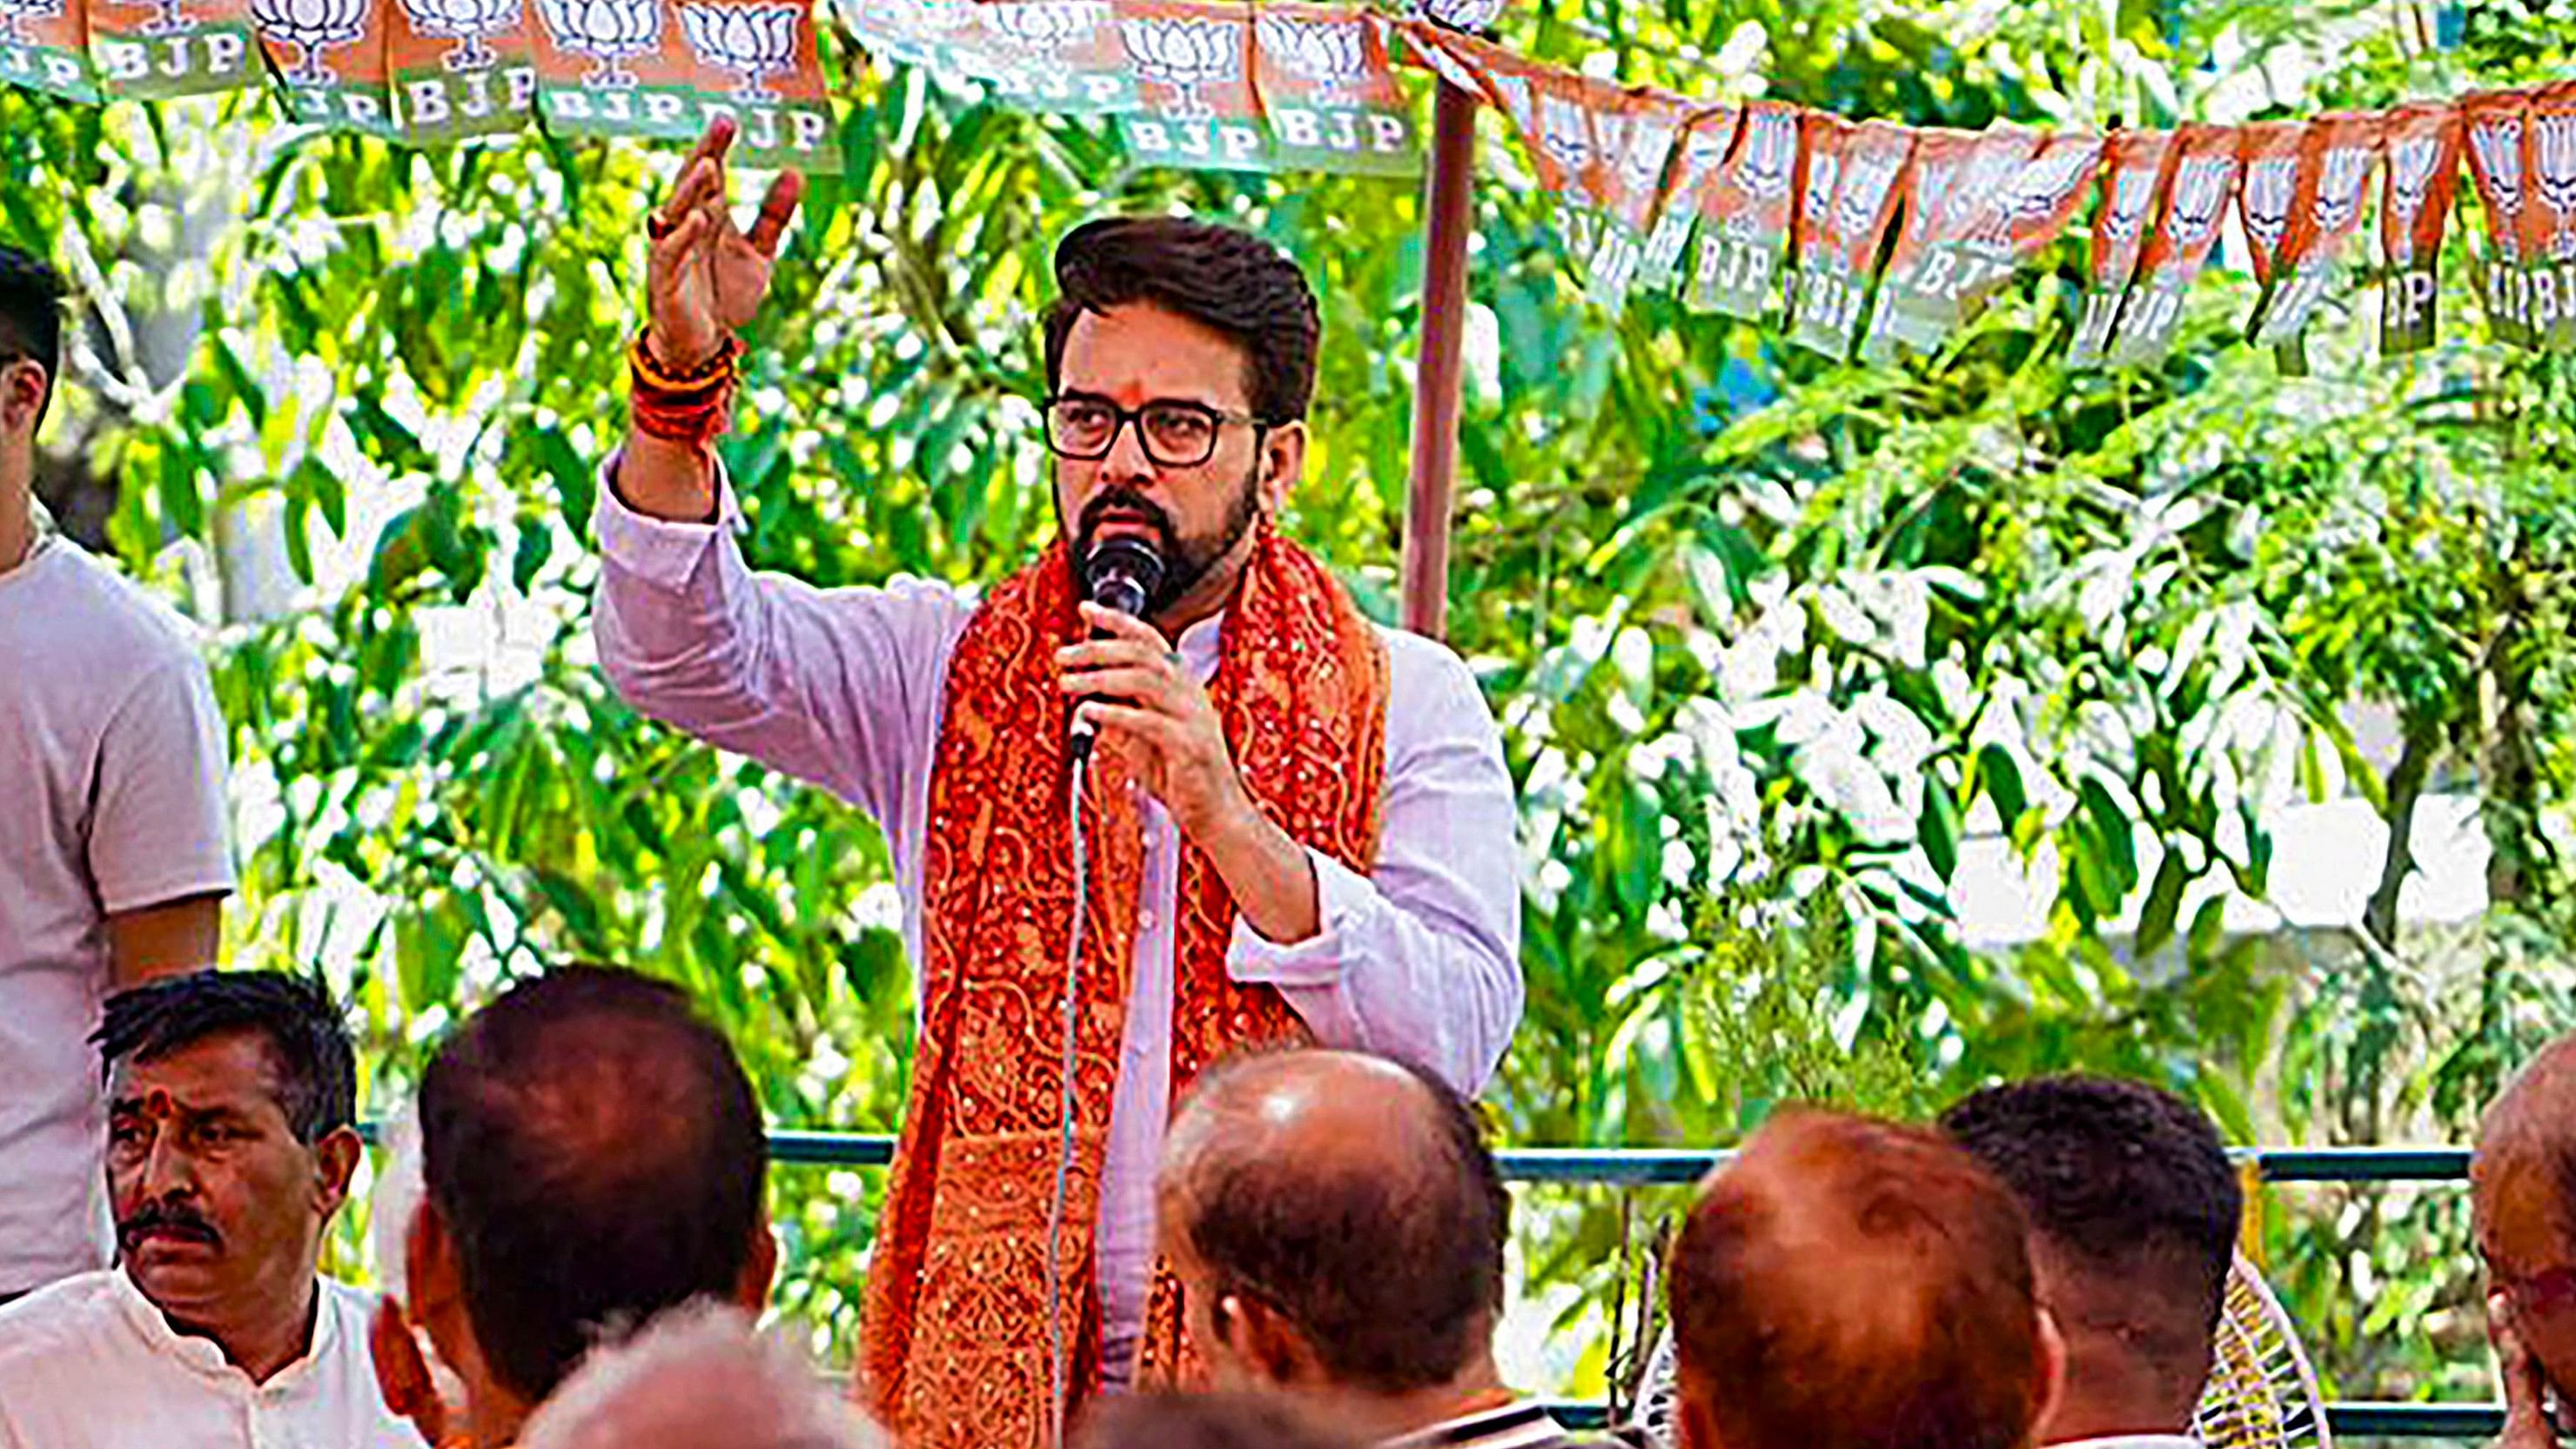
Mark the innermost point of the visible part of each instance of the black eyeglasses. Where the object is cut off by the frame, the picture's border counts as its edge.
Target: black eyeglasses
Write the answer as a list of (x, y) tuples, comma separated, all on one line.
[(1176, 434)]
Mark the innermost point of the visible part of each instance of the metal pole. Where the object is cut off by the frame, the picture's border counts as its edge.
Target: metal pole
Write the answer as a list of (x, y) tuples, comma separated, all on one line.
[(1448, 213)]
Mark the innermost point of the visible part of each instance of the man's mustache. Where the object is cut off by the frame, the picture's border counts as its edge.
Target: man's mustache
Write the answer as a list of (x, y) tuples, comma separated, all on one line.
[(177, 1222), (1124, 500)]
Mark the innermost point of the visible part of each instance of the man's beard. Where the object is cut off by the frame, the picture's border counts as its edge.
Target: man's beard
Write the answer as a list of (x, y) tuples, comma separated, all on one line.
[(1185, 561)]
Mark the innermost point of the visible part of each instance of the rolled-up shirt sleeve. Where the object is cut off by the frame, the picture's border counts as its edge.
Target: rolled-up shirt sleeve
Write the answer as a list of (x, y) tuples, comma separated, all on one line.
[(838, 687), (1420, 958)]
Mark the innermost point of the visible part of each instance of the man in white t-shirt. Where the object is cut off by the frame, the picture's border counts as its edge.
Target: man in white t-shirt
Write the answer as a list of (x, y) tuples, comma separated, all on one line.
[(232, 1137), (113, 864)]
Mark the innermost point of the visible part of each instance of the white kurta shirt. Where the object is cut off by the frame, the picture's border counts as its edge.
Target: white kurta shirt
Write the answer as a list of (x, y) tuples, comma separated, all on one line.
[(89, 1363)]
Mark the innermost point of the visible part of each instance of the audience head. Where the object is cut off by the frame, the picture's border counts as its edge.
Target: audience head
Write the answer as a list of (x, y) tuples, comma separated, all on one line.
[(1851, 1284), (2134, 1210), (31, 351), (1338, 1228), (232, 1098), (701, 1376), (2522, 1184), (593, 1155), (1206, 1421)]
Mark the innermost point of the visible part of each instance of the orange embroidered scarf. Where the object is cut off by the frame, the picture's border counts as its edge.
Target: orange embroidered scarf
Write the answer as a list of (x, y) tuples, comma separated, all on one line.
[(955, 1347)]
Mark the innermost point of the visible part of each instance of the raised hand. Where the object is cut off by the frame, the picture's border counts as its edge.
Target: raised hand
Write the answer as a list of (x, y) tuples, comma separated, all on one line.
[(708, 275)]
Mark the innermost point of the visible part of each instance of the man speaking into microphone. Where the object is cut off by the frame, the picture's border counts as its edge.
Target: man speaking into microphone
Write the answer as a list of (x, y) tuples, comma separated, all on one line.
[(1296, 825)]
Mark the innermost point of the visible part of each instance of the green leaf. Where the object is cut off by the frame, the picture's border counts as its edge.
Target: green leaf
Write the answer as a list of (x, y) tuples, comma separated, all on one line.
[(1939, 828), (2164, 903), (2002, 779)]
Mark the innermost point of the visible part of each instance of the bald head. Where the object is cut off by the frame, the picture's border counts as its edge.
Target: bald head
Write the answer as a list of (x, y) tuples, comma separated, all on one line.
[(699, 1377), (595, 1154), (2523, 1194), (1851, 1284), (1350, 1196)]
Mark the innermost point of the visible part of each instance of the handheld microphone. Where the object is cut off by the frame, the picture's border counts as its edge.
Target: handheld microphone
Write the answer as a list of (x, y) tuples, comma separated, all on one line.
[(1119, 573)]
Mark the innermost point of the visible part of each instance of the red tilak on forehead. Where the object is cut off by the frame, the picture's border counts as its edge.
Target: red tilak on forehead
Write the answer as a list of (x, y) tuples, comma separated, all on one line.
[(159, 1105)]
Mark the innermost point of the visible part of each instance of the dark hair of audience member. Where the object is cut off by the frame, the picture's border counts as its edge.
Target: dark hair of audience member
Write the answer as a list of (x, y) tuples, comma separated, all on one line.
[(31, 311), (2134, 1206), (1206, 1421), (1853, 1284), (1222, 278), (307, 1039), (596, 1154), (1395, 1278)]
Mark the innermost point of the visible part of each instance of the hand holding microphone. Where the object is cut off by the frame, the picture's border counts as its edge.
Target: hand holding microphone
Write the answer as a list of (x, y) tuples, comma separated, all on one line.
[(1132, 687)]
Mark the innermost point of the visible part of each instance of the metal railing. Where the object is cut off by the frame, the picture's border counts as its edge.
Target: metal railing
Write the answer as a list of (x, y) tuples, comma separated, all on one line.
[(1648, 1167), (1651, 1167)]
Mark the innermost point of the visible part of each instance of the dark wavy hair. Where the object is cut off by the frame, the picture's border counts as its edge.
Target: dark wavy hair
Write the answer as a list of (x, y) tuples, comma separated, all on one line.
[(1229, 281), (306, 1034), (31, 312)]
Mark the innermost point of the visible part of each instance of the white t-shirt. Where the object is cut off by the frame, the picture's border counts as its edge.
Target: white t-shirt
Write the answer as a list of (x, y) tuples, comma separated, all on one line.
[(89, 1363), (111, 800)]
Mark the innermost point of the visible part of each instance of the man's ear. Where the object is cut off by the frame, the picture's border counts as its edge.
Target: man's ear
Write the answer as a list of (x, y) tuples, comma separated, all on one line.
[(1283, 463), (24, 389), (1266, 1342), (431, 1281), (759, 1271), (335, 1161), (2052, 1374)]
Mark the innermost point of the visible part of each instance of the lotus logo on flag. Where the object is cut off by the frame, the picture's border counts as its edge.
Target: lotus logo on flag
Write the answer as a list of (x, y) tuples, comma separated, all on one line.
[(1770, 149), (605, 32), (1987, 172), (2338, 202), (2499, 148), (1041, 25), (1328, 54), (2047, 180), (1185, 52), (2269, 185), (2132, 191), (471, 23), (1565, 133), (2410, 177), (316, 27), (754, 42), (1818, 205), (2198, 191), (2038, 189), (1474, 16), (2555, 166), (16, 15), (1864, 188), (1650, 145)]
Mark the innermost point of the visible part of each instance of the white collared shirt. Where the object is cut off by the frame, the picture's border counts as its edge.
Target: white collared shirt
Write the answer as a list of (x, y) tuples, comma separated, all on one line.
[(89, 1363)]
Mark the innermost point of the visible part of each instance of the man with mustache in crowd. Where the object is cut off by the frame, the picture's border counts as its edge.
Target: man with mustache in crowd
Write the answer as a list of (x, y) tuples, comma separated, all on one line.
[(1298, 824), (231, 1103)]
